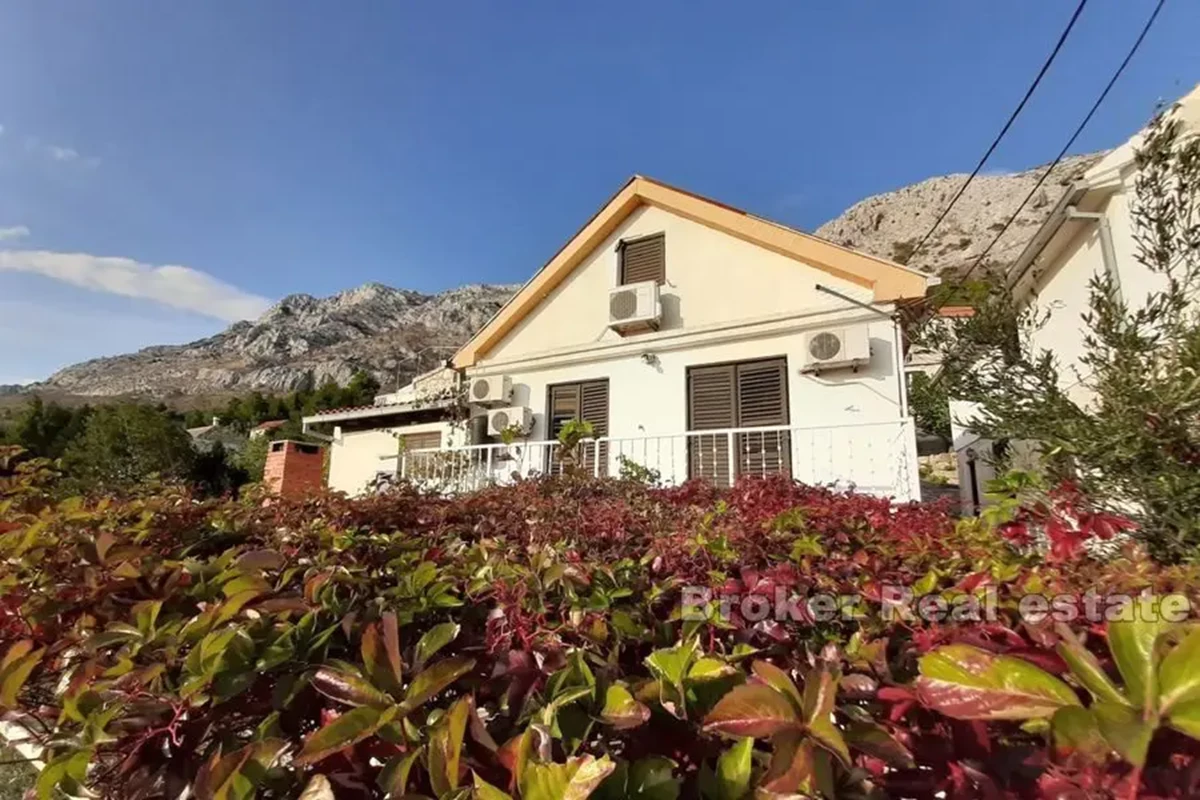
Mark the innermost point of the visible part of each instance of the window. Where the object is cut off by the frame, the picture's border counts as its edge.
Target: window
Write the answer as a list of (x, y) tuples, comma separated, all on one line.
[(643, 259), (746, 394), (586, 401), (429, 440)]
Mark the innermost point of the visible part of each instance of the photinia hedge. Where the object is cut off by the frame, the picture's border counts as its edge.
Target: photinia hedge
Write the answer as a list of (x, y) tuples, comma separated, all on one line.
[(576, 638)]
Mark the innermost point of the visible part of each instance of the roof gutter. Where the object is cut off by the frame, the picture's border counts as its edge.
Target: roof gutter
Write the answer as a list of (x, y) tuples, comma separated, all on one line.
[(1049, 229)]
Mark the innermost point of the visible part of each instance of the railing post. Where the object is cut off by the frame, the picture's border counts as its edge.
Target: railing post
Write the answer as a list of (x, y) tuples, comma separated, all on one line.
[(488, 477), (596, 458), (731, 454)]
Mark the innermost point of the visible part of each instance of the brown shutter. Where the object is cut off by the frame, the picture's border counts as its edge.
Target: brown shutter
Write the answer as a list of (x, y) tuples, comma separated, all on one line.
[(587, 402), (762, 400), (593, 408), (712, 403), (644, 259), (421, 441)]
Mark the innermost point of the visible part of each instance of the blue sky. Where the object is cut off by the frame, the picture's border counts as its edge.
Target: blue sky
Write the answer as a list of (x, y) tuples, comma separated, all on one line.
[(259, 148)]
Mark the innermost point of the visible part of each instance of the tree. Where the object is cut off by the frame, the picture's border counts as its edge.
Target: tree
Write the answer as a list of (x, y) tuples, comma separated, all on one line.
[(124, 444), (1135, 446), (45, 429)]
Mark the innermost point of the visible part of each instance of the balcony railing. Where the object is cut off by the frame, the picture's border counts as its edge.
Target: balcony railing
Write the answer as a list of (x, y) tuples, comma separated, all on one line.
[(874, 457)]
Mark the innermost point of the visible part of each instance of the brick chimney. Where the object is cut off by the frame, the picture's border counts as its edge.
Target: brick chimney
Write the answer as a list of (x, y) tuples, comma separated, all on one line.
[(293, 468)]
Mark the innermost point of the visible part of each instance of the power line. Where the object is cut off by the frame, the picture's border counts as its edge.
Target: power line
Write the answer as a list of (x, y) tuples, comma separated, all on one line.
[(1078, 130), (1070, 142), (1003, 131)]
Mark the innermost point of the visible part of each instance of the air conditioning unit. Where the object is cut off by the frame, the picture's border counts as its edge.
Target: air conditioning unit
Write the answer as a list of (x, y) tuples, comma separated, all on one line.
[(501, 419), (634, 307), (492, 390), (835, 348)]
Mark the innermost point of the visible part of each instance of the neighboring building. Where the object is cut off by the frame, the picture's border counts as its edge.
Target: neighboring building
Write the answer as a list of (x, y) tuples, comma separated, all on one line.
[(365, 442), (205, 437), (696, 339), (293, 469), (265, 428), (1090, 230)]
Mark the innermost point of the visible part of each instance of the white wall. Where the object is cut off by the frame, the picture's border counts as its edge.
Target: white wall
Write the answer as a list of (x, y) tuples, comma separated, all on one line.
[(711, 278), (357, 457), (649, 400)]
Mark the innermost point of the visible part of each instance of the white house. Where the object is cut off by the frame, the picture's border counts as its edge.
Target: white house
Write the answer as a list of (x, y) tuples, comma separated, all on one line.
[(696, 339), (1090, 230)]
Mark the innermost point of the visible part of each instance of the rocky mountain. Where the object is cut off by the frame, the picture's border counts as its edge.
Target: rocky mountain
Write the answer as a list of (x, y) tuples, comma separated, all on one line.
[(392, 333), (891, 224)]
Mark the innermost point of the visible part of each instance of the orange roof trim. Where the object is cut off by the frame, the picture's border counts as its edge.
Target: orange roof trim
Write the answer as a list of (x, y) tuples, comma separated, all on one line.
[(891, 282)]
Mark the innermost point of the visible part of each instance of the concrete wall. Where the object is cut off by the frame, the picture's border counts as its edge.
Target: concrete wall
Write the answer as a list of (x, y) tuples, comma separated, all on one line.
[(711, 278), (357, 457)]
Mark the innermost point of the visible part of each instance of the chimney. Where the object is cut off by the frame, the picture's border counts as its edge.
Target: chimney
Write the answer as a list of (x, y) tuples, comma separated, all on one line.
[(294, 469)]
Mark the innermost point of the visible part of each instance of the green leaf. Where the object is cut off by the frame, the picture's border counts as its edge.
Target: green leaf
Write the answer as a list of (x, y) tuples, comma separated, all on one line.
[(349, 689), (393, 778), (445, 746), (67, 767), (1075, 733), (873, 739), (792, 769), (318, 788), (16, 672), (652, 779), (752, 710), (1185, 718), (433, 680), (434, 640), (350, 728), (778, 680), (622, 710), (670, 667), (1179, 674), (733, 770), (574, 780), (820, 692), (1132, 643), (1087, 669), (485, 791), (966, 682), (1125, 729)]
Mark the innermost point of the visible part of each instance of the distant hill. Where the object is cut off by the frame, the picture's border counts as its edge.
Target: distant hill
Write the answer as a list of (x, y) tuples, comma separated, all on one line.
[(391, 333), (891, 224)]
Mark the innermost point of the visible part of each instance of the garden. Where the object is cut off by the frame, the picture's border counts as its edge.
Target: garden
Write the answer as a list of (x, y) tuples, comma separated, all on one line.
[(576, 638)]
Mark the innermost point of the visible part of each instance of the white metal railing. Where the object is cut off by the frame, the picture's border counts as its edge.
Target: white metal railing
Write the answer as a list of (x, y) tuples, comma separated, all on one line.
[(872, 457)]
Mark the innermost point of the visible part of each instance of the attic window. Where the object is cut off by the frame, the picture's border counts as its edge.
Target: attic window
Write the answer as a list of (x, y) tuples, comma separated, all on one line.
[(643, 259)]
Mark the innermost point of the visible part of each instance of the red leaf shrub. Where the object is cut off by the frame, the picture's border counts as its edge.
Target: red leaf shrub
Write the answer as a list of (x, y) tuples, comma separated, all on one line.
[(531, 636)]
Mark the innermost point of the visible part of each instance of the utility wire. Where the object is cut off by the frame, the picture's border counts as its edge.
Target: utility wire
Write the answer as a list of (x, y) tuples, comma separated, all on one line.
[(1003, 131), (1070, 142), (1078, 130)]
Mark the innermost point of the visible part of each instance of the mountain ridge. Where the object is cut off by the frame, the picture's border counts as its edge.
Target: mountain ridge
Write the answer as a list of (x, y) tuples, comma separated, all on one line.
[(395, 333)]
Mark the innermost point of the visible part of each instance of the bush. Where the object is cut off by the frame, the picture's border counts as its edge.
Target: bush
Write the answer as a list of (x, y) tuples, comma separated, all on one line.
[(534, 641)]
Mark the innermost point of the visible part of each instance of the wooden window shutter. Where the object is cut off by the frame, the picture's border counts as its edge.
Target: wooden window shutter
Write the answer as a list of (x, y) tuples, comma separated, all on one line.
[(588, 402), (712, 404), (762, 401), (428, 440), (644, 259)]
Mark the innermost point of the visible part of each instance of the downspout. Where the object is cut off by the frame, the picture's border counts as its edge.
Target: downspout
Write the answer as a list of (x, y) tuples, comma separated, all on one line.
[(898, 349), (1107, 251)]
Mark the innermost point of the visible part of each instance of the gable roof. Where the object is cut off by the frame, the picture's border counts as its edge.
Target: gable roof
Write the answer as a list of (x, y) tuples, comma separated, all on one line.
[(889, 281)]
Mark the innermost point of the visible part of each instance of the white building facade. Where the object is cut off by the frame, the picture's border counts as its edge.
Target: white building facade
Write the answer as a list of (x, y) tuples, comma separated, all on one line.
[(707, 370)]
